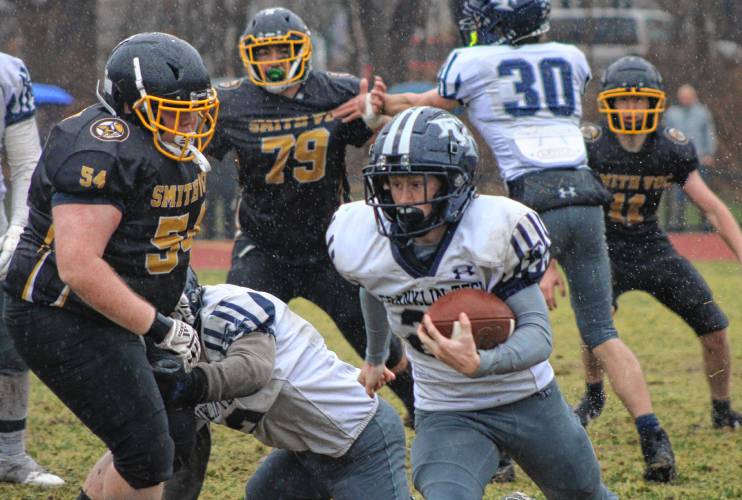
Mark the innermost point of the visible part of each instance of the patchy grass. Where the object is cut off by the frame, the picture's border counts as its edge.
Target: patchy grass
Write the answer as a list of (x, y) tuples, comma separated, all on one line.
[(709, 461)]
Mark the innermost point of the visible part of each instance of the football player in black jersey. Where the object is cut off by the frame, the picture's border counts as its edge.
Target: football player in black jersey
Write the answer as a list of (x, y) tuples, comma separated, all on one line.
[(637, 160), (291, 169), (115, 202)]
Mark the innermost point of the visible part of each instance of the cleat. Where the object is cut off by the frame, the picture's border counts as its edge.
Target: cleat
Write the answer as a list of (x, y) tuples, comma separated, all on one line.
[(658, 457), (25, 470), (590, 408), (728, 418), (505, 472)]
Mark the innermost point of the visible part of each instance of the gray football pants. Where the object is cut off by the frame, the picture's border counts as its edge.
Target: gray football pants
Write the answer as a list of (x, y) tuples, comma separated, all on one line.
[(578, 243), (455, 453)]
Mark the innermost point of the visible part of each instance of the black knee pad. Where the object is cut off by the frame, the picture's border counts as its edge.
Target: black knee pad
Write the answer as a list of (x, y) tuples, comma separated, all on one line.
[(145, 457)]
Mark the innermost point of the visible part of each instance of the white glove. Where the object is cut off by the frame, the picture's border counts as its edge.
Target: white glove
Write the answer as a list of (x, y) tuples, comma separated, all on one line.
[(8, 242), (183, 311), (182, 339)]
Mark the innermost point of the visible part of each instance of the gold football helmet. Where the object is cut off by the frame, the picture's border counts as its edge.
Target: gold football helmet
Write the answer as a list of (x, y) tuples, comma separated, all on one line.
[(163, 81), (276, 49), (632, 77), (179, 126)]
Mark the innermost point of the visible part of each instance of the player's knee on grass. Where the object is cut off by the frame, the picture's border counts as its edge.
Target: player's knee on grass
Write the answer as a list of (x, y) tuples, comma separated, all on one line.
[(145, 457)]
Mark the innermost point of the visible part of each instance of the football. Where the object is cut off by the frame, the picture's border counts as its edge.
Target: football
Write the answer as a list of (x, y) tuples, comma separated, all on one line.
[(491, 319)]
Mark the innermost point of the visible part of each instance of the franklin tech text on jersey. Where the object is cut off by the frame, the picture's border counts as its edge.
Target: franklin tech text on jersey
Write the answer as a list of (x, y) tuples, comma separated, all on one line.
[(426, 297)]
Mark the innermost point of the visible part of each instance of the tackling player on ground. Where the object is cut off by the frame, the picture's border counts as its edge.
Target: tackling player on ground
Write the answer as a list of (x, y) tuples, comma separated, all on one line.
[(265, 371), (115, 202), (291, 169), (637, 161), (422, 233), (20, 139)]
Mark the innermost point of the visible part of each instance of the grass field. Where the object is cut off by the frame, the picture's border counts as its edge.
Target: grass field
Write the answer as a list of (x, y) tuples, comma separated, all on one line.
[(709, 461)]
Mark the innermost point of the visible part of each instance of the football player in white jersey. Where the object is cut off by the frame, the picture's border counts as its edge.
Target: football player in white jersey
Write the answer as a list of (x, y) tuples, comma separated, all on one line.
[(20, 142), (421, 233), (266, 371), (524, 97)]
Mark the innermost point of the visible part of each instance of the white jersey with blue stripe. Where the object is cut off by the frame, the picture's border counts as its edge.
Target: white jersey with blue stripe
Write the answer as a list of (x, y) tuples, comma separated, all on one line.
[(526, 101), (499, 245), (313, 401), (17, 98)]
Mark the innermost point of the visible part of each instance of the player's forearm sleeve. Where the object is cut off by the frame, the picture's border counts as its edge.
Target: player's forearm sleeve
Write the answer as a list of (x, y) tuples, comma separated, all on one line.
[(378, 333), (246, 369), (23, 150), (529, 344)]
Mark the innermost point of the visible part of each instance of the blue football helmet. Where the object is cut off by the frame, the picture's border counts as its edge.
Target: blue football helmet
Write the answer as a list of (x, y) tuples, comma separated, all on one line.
[(488, 22), (421, 141)]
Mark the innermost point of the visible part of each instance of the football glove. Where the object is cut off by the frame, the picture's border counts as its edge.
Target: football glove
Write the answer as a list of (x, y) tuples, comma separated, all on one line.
[(8, 242), (183, 311), (178, 387), (182, 339)]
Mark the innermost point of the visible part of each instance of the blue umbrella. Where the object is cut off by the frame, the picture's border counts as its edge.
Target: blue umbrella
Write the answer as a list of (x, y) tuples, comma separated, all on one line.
[(45, 94)]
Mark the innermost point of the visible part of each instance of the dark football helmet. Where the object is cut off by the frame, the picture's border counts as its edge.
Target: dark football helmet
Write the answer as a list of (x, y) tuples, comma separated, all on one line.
[(282, 30), (487, 22), (421, 141), (632, 76), (160, 78)]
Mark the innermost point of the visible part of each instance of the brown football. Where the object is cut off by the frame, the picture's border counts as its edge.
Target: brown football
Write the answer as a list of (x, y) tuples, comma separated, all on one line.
[(491, 319)]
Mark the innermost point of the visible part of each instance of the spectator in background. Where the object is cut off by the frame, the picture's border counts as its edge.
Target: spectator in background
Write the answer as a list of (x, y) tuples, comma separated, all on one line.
[(694, 119)]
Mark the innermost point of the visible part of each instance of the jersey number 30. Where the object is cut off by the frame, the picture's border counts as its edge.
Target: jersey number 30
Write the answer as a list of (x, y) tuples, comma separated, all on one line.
[(556, 86)]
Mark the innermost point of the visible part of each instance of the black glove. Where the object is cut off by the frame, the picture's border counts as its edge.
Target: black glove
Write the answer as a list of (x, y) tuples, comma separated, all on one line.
[(178, 387)]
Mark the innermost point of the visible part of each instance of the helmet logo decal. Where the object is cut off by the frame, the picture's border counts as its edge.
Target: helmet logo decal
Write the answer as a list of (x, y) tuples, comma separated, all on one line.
[(110, 129)]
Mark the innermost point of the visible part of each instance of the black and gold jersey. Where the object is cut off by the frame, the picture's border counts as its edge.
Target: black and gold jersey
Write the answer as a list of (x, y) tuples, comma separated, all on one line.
[(96, 158), (637, 180), (291, 159)]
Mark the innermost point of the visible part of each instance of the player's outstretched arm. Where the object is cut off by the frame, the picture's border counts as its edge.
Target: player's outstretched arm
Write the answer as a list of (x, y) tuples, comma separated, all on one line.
[(716, 212), (366, 105), (395, 103)]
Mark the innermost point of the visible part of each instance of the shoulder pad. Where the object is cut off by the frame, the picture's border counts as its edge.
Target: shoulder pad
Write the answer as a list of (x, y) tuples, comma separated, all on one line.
[(230, 84), (590, 132), (110, 129), (676, 136)]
